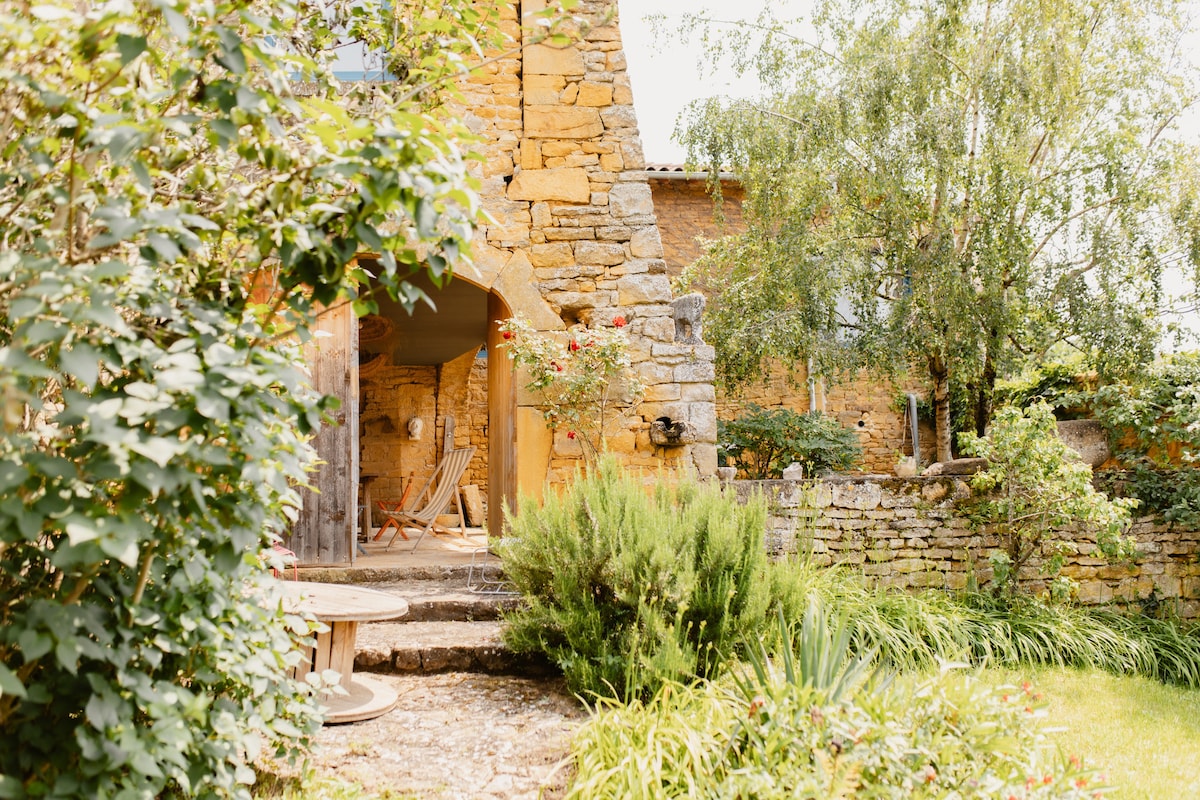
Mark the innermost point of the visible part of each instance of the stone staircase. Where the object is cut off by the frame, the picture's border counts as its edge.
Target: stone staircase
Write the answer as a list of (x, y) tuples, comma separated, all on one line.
[(448, 628)]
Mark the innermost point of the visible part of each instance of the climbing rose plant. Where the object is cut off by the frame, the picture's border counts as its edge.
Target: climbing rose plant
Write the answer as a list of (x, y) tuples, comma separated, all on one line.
[(583, 377)]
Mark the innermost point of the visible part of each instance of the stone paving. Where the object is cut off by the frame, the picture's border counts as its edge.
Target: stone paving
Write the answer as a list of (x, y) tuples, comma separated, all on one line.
[(459, 735)]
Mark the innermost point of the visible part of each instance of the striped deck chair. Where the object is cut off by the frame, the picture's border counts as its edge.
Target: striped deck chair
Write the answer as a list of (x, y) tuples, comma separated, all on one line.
[(441, 488)]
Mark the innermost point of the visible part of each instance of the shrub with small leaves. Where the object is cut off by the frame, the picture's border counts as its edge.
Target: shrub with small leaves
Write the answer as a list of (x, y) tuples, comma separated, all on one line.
[(627, 587), (765, 442), (1034, 486), (174, 211)]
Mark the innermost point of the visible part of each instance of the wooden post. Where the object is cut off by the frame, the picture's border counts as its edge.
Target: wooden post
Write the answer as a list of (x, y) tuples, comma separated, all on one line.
[(502, 416)]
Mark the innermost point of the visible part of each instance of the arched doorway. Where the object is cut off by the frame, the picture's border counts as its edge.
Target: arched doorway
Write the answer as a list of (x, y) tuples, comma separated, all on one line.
[(435, 379), (462, 328)]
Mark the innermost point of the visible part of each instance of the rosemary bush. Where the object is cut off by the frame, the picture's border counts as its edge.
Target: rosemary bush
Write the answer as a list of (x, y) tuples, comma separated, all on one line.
[(628, 587)]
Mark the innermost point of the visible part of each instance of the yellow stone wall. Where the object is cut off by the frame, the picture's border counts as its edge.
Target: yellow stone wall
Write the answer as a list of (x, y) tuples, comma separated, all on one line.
[(393, 395), (564, 182), (574, 240)]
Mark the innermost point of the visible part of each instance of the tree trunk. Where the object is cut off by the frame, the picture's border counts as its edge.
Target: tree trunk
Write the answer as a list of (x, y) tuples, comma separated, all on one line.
[(985, 392), (941, 407)]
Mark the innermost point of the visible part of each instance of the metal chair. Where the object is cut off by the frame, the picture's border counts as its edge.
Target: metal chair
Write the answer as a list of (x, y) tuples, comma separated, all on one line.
[(441, 488)]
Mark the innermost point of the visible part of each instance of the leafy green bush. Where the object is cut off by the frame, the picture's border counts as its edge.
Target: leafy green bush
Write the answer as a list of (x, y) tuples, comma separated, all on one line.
[(764, 442), (1035, 486), (173, 214), (812, 724), (628, 587), (1154, 430)]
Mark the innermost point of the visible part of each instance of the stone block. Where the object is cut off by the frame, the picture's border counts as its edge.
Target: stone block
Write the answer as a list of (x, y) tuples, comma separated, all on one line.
[(540, 59), (592, 93), (862, 496), (695, 372), (646, 243), (531, 154), (569, 94), (554, 254), (1087, 438), (612, 162), (614, 233), (554, 122), (630, 199), (567, 184), (559, 149), (619, 118), (600, 253), (638, 289), (698, 393), (540, 215), (569, 234)]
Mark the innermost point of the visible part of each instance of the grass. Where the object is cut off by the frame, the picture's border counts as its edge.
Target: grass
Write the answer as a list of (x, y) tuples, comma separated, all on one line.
[(1143, 734), (308, 786)]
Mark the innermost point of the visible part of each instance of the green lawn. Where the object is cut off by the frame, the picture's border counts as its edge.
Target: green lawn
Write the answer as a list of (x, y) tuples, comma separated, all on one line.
[(1143, 734)]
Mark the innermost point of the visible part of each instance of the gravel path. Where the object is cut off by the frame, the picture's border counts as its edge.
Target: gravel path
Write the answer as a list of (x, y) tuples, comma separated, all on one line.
[(459, 735)]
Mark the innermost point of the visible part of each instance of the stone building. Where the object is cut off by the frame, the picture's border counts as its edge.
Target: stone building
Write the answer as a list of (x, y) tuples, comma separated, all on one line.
[(573, 241), (868, 406)]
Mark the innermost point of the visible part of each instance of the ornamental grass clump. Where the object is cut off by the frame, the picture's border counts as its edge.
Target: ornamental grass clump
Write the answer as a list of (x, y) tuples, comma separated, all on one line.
[(913, 631), (628, 587), (818, 721)]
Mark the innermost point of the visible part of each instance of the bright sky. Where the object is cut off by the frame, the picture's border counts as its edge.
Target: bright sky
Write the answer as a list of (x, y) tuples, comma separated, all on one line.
[(665, 74)]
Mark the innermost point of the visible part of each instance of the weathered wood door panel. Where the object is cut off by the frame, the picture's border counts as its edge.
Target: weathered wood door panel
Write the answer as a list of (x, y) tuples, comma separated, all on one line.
[(324, 534)]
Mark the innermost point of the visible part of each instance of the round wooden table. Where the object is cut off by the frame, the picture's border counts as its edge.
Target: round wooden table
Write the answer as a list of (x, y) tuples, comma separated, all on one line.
[(342, 607)]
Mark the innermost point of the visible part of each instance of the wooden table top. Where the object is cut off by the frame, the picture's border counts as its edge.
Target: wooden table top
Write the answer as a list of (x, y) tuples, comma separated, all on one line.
[(333, 602)]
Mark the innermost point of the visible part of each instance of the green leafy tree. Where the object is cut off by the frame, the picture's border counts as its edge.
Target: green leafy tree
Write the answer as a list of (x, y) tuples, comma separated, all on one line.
[(1035, 486), (1153, 426), (182, 186), (949, 185)]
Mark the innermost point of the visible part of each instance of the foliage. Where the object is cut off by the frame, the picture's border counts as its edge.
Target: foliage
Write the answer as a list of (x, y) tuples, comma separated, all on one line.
[(583, 377), (913, 631), (782, 733), (954, 185), (1063, 385), (1154, 430), (1035, 487), (767, 442), (626, 588), (173, 211)]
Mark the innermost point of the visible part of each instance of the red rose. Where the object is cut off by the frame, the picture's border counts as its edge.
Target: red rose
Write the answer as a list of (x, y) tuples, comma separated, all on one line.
[(507, 334), (570, 434), (618, 322), (573, 346)]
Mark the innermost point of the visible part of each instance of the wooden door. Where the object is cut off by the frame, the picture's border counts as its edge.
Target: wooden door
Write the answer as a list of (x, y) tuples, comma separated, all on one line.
[(324, 534)]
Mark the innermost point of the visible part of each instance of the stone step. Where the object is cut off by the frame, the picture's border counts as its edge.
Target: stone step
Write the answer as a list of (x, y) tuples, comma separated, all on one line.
[(444, 600), (412, 647)]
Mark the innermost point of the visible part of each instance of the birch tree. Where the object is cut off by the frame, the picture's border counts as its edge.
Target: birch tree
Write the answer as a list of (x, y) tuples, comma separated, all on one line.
[(951, 187)]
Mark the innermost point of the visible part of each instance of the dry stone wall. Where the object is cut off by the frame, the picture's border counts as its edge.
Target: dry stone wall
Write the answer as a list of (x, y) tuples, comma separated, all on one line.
[(907, 533)]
